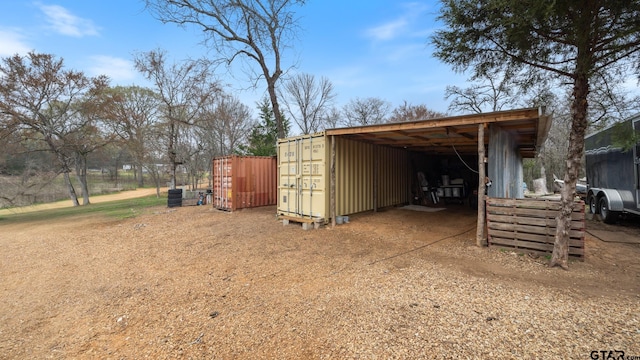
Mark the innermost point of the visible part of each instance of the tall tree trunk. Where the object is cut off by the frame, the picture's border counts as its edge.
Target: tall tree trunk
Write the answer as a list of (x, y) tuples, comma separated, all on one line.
[(172, 154), (152, 170), (271, 87), (140, 173), (64, 163), (81, 175), (575, 152), (116, 172), (70, 189), (174, 182)]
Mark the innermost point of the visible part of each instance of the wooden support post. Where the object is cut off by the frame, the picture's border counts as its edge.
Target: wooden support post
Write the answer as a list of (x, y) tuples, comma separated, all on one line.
[(332, 183), (480, 240)]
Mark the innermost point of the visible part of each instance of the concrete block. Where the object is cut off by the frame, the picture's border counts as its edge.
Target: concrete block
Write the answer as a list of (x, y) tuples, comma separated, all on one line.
[(285, 222), (306, 226)]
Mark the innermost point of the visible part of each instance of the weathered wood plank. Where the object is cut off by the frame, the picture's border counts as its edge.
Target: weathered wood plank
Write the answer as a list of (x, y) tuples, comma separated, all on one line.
[(577, 225), (299, 219), (532, 229), (532, 245), (547, 239), (525, 204), (543, 253), (548, 214), (533, 203)]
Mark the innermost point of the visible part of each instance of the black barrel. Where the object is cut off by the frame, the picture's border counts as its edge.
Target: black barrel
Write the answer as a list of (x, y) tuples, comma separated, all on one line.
[(175, 198)]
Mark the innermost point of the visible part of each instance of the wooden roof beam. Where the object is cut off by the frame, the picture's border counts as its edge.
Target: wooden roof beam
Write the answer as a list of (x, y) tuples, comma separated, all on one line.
[(495, 117)]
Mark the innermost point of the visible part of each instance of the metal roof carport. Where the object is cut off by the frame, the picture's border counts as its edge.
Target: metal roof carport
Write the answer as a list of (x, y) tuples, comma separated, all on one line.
[(465, 134)]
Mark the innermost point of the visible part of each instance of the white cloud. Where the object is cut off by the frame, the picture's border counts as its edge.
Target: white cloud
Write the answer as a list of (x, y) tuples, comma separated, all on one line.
[(402, 25), (388, 31), (117, 69), (11, 43), (64, 22)]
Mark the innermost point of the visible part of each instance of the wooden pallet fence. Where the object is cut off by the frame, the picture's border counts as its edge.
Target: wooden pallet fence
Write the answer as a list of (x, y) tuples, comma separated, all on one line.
[(529, 225)]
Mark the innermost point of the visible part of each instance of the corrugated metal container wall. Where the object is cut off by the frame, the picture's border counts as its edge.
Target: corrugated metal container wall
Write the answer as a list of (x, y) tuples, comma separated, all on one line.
[(394, 174), (367, 177), (370, 176), (505, 165), (303, 182), (244, 181), (354, 180)]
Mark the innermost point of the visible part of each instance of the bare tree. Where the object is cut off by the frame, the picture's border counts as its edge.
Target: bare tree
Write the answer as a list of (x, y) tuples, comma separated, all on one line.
[(476, 98), (183, 90), (156, 157), (83, 142), (489, 91), (609, 102), (307, 101), (29, 166), (133, 114), (408, 112), (52, 106), (257, 30), (331, 118), (192, 151), (367, 111), (224, 125)]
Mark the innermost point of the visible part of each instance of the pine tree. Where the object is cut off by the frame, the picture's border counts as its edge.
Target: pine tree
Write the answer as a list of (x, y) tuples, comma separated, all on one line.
[(263, 139)]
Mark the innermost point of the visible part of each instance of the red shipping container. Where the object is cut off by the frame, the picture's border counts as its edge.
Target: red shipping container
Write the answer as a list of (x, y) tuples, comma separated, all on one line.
[(244, 182)]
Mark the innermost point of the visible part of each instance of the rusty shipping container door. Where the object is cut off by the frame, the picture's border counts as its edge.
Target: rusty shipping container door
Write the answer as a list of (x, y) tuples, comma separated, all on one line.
[(303, 177), (244, 182)]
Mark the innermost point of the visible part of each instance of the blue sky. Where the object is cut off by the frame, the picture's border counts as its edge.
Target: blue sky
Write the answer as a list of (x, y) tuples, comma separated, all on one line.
[(375, 48)]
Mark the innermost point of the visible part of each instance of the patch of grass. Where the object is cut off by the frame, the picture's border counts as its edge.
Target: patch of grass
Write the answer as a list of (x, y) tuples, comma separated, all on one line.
[(121, 209)]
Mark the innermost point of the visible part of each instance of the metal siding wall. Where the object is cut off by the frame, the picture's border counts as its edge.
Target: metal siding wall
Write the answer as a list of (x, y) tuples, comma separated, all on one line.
[(354, 182), (356, 165), (496, 162), (608, 166), (393, 167), (505, 165), (265, 172), (519, 190)]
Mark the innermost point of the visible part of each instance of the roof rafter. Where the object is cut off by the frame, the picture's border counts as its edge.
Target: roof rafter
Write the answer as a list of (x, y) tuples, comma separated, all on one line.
[(529, 126)]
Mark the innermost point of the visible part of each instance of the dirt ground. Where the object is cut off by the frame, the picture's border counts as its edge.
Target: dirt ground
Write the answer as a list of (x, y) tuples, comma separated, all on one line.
[(194, 282)]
